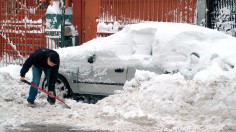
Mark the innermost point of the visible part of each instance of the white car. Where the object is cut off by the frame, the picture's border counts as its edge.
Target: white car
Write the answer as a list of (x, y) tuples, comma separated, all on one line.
[(101, 66)]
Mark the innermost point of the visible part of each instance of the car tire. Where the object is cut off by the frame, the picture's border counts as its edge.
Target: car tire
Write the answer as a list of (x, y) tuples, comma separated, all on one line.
[(62, 87)]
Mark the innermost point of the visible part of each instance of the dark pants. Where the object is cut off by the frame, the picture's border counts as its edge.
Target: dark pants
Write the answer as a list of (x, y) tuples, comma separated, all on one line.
[(37, 72)]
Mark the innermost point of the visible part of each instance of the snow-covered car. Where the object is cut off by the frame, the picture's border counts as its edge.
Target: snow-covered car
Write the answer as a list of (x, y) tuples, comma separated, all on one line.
[(101, 66)]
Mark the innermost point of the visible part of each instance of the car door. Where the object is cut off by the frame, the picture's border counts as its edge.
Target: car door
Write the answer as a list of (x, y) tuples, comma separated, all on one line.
[(101, 77), (131, 70)]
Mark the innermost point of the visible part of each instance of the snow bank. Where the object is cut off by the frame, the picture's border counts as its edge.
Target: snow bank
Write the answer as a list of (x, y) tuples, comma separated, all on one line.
[(174, 103)]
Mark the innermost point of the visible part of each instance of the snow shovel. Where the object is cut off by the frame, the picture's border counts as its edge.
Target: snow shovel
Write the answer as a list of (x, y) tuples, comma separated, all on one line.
[(49, 94)]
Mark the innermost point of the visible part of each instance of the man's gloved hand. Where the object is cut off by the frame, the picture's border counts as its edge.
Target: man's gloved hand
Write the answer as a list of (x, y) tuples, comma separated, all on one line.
[(22, 78), (50, 93)]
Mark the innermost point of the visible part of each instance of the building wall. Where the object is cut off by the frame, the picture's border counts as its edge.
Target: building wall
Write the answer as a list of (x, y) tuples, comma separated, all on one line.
[(201, 12), (85, 13), (77, 18)]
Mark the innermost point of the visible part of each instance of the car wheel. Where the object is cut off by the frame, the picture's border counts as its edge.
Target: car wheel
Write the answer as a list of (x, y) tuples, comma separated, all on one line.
[(62, 87)]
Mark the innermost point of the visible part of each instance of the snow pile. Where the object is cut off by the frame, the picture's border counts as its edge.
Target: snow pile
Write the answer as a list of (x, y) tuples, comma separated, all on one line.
[(174, 103), (54, 9), (103, 27)]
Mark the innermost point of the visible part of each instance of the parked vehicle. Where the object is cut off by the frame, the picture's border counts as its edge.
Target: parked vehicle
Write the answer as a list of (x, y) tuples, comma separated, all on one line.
[(91, 87), (101, 66)]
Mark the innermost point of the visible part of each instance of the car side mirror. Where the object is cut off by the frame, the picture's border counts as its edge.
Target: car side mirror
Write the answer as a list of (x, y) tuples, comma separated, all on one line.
[(91, 59)]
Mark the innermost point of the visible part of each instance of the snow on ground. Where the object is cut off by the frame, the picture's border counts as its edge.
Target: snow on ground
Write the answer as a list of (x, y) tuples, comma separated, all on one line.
[(200, 96)]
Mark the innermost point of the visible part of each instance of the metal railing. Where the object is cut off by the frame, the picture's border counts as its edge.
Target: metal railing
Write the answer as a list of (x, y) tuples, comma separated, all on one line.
[(22, 25)]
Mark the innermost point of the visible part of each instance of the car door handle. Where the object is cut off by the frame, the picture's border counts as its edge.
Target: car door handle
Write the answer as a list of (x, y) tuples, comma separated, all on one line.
[(120, 70)]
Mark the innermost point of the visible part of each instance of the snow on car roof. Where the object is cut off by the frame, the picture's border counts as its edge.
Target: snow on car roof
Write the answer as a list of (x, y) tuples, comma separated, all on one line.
[(157, 44)]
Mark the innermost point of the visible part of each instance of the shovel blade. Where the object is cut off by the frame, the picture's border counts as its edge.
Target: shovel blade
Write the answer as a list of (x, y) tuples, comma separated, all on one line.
[(66, 106)]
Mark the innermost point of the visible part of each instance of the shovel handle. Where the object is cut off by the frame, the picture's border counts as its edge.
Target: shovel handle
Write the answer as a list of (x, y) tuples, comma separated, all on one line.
[(51, 95), (27, 82), (42, 90)]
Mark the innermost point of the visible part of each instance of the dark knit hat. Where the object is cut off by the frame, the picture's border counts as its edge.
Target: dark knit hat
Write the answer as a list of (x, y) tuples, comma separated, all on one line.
[(54, 57)]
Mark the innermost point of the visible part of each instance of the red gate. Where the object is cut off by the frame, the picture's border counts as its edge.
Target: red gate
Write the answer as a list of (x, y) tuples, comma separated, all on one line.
[(136, 11), (22, 25), (89, 12)]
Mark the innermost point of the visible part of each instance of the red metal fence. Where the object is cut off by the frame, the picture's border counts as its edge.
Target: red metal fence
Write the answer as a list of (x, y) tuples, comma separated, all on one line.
[(22, 25), (135, 11), (132, 11)]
